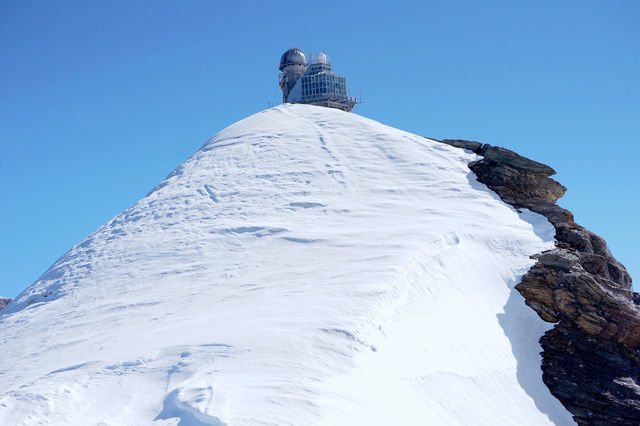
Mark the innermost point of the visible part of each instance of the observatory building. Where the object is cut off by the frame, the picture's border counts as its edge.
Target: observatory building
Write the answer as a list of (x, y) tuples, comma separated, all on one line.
[(312, 83)]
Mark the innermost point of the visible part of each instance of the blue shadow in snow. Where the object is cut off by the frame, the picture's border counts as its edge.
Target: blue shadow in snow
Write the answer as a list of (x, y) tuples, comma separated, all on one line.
[(172, 407)]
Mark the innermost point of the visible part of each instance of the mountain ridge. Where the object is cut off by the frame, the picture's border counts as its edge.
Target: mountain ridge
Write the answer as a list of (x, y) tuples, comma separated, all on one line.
[(590, 357), (305, 264)]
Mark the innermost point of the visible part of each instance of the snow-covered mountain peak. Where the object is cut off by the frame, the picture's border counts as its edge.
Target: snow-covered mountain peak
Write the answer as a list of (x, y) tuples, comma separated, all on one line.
[(305, 266)]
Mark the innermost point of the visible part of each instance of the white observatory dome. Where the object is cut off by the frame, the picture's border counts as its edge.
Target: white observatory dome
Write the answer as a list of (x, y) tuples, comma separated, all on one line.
[(321, 58)]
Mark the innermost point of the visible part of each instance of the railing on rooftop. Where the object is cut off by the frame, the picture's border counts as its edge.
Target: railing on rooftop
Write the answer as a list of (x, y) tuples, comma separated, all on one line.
[(328, 96)]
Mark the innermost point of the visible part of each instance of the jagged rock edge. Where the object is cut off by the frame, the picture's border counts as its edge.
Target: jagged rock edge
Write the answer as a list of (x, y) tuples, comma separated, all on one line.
[(4, 302), (591, 357)]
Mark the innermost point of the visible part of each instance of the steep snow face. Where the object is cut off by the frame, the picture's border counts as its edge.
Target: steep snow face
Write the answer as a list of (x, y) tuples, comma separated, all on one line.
[(306, 266)]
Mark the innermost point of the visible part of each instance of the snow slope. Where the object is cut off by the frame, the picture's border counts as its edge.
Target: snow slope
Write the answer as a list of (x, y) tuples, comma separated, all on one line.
[(306, 266)]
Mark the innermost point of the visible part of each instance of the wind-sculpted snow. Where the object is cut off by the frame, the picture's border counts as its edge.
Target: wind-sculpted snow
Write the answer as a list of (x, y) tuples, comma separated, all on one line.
[(306, 266)]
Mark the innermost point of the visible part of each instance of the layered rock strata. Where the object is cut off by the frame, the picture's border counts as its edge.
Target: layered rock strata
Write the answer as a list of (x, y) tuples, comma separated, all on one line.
[(591, 357)]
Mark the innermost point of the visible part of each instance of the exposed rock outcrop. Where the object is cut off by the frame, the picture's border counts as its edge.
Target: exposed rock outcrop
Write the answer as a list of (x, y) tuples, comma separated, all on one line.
[(4, 302), (591, 358), (460, 143)]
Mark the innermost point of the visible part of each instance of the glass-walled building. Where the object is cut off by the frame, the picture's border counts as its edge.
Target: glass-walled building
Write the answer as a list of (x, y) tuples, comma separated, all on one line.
[(323, 84), (318, 85)]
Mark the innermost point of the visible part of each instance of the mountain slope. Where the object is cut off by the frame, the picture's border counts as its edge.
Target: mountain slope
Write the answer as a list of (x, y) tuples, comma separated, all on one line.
[(305, 266)]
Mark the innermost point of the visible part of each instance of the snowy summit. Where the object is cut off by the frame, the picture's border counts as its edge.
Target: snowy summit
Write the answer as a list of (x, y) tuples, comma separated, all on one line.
[(306, 266)]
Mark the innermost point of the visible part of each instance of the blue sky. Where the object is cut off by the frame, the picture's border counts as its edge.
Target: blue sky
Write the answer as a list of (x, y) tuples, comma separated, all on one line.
[(101, 100)]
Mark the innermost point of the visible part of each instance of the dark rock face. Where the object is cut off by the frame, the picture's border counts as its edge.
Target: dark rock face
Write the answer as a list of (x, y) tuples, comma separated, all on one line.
[(459, 143), (4, 302), (591, 358), (508, 158), (519, 181)]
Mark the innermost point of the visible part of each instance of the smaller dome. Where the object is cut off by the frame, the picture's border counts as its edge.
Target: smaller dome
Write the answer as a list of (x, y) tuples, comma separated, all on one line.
[(292, 57), (321, 58)]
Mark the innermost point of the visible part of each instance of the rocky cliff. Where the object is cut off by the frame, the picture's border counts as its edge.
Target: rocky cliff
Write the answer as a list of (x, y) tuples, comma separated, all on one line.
[(4, 302), (591, 358)]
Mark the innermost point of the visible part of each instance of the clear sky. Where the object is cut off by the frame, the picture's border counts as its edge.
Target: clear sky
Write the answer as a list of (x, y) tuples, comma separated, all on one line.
[(99, 101)]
